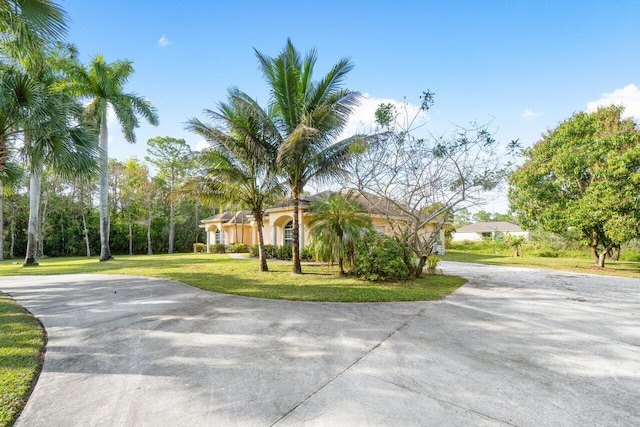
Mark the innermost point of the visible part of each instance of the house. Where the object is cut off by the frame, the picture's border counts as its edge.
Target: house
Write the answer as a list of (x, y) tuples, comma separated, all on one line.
[(229, 228), (488, 231)]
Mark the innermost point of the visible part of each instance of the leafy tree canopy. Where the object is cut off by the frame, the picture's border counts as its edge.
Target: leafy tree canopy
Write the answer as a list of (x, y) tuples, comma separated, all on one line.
[(583, 175)]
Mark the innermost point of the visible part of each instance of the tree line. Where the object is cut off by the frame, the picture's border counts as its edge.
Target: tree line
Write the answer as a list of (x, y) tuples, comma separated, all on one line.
[(142, 218)]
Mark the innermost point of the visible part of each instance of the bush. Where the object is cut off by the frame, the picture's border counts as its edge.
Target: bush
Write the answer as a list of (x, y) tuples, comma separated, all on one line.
[(379, 257), (218, 248), (548, 254), (254, 251), (306, 254), (271, 251), (238, 248), (199, 247), (284, 252), (629, 255)]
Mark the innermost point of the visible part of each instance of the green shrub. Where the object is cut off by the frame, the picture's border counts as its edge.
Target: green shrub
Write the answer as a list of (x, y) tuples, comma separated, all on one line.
[(284, 252), (254, 251), (548, 254), (379, 257), (629, 255), (271, 251), (432, 262), (306, 254), (238, 248), (199, 247), (218, 248), (487, 247)]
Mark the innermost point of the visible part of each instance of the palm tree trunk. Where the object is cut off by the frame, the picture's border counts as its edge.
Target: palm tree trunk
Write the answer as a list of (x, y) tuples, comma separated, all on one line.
[(296, 268), (34, 210), (197, 222), (172, 226), (261, 255), (41, 218), (149, 250), (340, 255), (130, 235), (105, 250), (85, 231), (12, 230)]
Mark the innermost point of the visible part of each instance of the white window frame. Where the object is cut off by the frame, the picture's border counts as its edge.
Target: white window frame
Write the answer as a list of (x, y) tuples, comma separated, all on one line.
[(287, 233)]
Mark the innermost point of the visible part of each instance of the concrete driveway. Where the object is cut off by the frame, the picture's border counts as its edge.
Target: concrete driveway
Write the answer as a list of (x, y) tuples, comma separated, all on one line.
[(512, 347)]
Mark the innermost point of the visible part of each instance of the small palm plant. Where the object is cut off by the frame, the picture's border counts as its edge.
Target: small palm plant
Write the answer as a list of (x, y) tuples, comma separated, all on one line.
[(432, 263), (337, 220)]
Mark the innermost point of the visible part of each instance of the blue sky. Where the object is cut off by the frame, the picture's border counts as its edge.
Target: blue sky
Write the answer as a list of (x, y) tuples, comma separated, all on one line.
[(524, 66)]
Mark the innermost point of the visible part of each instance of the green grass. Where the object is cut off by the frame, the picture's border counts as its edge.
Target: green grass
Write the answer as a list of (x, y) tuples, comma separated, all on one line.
[(220, 273), (21, 346), (580, 263)]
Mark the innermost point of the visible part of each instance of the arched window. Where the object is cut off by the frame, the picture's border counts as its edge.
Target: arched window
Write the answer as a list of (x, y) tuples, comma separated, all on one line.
[(219, 236), (288, 233)]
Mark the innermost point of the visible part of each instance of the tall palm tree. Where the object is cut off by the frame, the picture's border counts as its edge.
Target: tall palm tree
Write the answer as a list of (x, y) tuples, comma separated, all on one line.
[(309, 115), (239, 168), (337, 220), (103, 83), (57, 137)]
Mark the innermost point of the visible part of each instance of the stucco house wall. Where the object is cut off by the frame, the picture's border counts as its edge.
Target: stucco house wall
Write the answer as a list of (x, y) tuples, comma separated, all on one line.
[(275, 223)]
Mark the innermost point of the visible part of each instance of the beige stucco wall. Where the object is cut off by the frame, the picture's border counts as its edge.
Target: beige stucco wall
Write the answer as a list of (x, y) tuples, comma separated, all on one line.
[(273, 231)]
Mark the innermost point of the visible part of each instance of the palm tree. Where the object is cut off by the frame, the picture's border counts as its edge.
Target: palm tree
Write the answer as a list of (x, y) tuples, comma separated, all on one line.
[(239, 168), (54, 135), (103, 83), (26, 26), (337, 220), (309, 115)]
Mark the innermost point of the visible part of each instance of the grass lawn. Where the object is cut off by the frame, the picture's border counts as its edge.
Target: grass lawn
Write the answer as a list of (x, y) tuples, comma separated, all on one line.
[(220, 273), (21, 346), (580, 265)]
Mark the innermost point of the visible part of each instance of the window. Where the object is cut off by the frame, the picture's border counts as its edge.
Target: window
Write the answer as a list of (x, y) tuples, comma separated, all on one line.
[(288, 233), (220, 237)]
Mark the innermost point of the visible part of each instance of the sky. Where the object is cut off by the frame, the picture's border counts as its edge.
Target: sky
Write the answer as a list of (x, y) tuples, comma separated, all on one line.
[(521, 66)]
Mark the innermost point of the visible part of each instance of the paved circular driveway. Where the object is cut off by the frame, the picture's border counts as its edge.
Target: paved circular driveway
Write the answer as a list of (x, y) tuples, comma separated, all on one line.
[(512, 347)]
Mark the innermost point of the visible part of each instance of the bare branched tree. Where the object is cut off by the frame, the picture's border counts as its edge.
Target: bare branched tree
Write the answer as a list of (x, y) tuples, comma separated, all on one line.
[(419, 182)]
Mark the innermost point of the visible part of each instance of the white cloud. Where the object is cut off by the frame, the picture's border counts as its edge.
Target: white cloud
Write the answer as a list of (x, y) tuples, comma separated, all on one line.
[(202, 144), (363, 117), (628, 96), (530, 114), (163, 41)]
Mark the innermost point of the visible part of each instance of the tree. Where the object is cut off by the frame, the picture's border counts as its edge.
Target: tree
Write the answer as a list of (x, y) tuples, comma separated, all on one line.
[(240, 166), (26, 26), (172, 157), (337, 221), (309, 116), (583, 176), (103, 83), (420, 180), (54, 135)]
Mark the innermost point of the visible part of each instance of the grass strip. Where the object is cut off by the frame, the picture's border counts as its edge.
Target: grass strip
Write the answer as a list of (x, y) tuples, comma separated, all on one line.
[(22, 341), (221, 273)]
